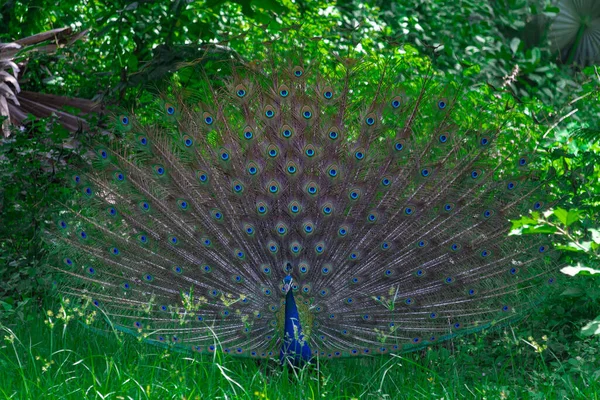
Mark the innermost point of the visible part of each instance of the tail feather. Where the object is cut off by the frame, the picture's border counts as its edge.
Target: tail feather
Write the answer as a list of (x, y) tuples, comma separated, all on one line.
[(385, 203)]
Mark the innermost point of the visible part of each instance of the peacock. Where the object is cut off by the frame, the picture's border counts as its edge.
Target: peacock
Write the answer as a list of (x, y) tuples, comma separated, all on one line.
[(293, 208)]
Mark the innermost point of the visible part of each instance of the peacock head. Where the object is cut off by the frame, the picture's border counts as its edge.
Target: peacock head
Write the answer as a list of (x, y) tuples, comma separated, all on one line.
[(287, 283)]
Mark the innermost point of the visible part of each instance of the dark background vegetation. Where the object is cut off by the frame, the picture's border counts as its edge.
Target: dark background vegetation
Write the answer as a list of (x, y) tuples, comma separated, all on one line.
[(537, 50)]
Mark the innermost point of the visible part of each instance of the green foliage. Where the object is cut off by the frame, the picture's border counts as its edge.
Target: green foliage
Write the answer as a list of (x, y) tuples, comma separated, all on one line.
[(501, 46), (34, 165), (48, 352)]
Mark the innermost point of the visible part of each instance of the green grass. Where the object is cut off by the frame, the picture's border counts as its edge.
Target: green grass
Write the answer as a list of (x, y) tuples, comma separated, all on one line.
[(37, 362)]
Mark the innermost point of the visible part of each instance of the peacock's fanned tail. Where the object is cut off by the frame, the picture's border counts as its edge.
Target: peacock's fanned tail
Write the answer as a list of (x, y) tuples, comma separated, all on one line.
[(388, 210)]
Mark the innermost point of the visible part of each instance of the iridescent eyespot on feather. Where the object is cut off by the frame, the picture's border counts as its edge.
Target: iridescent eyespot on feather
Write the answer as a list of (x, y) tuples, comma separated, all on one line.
[(173, 240), (303, 268), (298, 71), (370, 120), (272, 151), (68, 262), (252, 168), (485, 253), (354, 194), (455, 247), (111, 211), (103, 154), (343, 231), (239, 253), (328, 94), (76, 179), (170, 109), (396, 102), (177, 269), (425, 172), (333, 134), (422, 243), (184, 205), (281, 228), (320, 248), (188, 141), (269, 111), (294, 207), (88, 191), (208, 119), (159, 169), (308, 228), (510, 185), (284, 91), (248, 134), (471, 292), (240, 91), (484, 141), (115, 251), (306, 112), (237, 187), (295, 247), (523, 161), (202, 176), (291, 168), (309, 151), (386, 181), (63, 224), (143, 140), (448, 207), (487, 213), (442, 104), (513, 271), (261, 208), (224, 154), (144, 206), (359, 155), (119, 176), (537, 205), (286, 131), (385, 245), (332, 171), (143, 239), (409, 210), (373, 217), (312, 188), (249, 229), (505, 308), (542, 249), (476, 173), (420, 273), (398, 146), (272, 246), (327, 209), (443, 138), (273, 187), (216, 214)]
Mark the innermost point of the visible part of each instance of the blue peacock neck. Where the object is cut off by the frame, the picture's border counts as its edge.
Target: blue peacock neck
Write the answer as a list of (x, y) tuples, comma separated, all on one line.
[(295, 349)]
